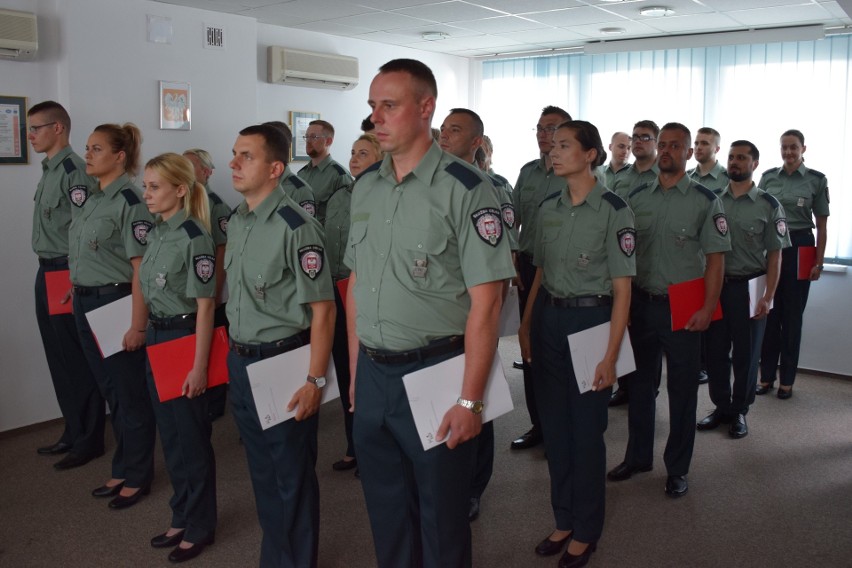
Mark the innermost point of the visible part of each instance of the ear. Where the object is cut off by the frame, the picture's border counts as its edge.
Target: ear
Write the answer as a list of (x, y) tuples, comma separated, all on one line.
[(689, 153), (277, 169), (121, 157), (181, 190), (804, 148), (427, 107)]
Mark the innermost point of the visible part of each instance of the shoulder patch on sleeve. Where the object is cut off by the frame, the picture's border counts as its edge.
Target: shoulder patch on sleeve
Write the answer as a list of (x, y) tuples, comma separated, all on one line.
[(468, 177), (214, 198), (293, 219), (488, 223), (297, 181), (140, 231), (205, 266), (339, 169), (614, 200), (816, 173), (69, 165), (771, 199), (707, 193), (637, 189), (191, 229), (549, 197), (78, 195), (372, 168), (130, 196)]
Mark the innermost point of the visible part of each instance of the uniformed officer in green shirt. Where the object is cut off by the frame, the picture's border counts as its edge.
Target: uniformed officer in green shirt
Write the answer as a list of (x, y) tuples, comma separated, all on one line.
[(682, 235), (323, 174), (535, 182), (643, 144), (803, 192), (280, 299), (295, 187), (107, 242), (619, 147), (584, 259), (758, 231), (61, 193), (709, 172), (428, 256)]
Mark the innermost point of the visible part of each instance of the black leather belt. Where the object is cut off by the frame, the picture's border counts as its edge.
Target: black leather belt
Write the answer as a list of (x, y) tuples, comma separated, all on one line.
[(799, 232), (182, 321), (743, 278), (649, 297), (272, 348), (58, 261), (580, 301), (99, 291), (434, 349)]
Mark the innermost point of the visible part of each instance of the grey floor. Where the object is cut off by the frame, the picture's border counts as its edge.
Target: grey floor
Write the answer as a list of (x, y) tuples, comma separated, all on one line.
[(780, 497)]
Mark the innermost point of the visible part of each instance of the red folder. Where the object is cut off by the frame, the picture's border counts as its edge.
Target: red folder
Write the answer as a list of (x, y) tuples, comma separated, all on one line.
[(686, 298), (58, 283), (342, 287), (807, 261), (172, 361)]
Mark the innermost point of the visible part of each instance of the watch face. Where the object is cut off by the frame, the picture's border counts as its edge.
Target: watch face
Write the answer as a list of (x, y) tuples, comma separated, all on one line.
[(477, 407), (320, 382)]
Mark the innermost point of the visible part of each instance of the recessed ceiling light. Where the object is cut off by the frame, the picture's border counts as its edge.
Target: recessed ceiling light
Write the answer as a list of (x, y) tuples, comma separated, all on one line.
[(433, 36), (656, 11), (612, 31)]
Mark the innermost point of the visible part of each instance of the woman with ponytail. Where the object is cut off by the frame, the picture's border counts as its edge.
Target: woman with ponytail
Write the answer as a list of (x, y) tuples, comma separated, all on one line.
[(107, 241), (178, 280)]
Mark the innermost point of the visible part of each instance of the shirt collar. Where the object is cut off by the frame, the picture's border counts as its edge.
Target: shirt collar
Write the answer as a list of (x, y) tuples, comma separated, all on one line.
[(593, 200), (682, 184), (112, 189), (753, 192), (423, 171), (266, 207), (175, 221), (58, 158)]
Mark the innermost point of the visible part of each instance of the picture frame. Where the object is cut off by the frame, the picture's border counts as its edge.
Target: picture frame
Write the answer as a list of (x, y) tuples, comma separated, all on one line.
[(14, 146), (175, 106), (299, 122)]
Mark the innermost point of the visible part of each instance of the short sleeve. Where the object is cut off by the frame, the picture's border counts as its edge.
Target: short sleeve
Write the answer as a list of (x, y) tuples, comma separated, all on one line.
[(137, 221), (201, 267), (484, 247), (714, 230), (621, 243), (821, 199), (306, 258)]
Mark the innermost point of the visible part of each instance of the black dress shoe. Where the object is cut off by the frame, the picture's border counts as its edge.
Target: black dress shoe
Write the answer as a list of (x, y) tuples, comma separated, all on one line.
[(163, 541), (121, 502), (55, 449), (763, 389), (703, 378), (74, 460), (473, 511), (676, 486), (618, 398), (107, 491), (549, 547), (739, 427), (520, 365), (568, 560), (529, 439), (625, 471), (785, 394), (344, 465), (183, 554), (713, 420)]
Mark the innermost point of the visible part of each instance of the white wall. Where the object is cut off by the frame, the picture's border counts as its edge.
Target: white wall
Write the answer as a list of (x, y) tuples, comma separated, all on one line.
[(828, 323)]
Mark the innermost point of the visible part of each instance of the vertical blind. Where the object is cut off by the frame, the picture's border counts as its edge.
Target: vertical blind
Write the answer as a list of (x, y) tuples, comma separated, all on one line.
[(752, 92)]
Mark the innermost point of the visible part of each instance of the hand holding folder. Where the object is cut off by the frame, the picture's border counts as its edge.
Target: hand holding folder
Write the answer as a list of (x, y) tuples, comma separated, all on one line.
[(686, 298), (172, 361), (58, 284)]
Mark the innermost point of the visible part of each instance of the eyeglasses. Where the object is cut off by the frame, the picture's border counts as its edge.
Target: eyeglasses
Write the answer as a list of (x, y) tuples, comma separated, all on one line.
[(539, 129), (643, 138), (34, 129), (314, 137)]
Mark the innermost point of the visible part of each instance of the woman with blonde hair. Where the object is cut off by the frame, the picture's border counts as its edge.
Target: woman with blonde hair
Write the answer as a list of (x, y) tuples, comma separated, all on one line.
[(178, 282), (107, 240)]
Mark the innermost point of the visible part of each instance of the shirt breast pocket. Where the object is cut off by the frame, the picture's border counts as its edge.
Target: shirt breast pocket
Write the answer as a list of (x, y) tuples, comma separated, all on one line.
[(421, 250), (174, 270), (683, 234), (262, 279), (103, 233), (803, 197), (752, 233)]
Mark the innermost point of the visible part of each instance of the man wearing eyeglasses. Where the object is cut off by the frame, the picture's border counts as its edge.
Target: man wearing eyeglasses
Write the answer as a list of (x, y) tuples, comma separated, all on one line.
[(535, 182), (324, 175), (63, 189)]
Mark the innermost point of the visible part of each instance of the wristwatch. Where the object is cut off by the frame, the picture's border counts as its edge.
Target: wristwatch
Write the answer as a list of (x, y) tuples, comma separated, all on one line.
[(318, 382), (474, 406)]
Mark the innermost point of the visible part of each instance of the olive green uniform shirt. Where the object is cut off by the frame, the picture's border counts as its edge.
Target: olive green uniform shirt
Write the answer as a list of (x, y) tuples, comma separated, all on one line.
[(111, 229), (607, 175), (275, 265), (507, 209), (417, 246), (219, 214), (325, 179), (630, 178), (716, 178), (337, 231), (62, 191), (179, 266), (757, 224), (534, 184), (674, 230), (581, 248), (298, 190), (802, 194)]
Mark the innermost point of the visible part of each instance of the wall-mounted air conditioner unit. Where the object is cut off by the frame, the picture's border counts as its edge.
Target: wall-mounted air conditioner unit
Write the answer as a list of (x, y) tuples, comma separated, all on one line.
[(18, 35), (308, 69)]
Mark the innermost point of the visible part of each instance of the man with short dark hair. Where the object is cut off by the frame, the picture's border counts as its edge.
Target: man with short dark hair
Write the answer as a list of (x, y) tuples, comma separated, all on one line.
[(619, 148), (62, 191), (322, 174), (682, 235), (291, 184), (709, 172), (428, 258), (280, 299)]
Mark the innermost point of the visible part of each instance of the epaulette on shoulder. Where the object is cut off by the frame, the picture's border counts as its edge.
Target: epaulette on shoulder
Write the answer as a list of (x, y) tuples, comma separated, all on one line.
[(771, 199), (530, 163), (495, 180), (468, 177), (297, 181), (637, 189), (501, 179), (214, 198), (130, 196), (69, 165), (191, 229), (718, 191), (614, 200), (549, 197), (339, 169), (372, 168), (771, 171), (293, 219), (817, 173), (706, 191)]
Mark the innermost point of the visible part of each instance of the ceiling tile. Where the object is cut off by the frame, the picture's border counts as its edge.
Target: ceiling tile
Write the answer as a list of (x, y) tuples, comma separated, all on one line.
[(453, 11), (544, 36), (809, 13), (502, 24), (331, 28), (381, 21), (573, 17), (696, 22)]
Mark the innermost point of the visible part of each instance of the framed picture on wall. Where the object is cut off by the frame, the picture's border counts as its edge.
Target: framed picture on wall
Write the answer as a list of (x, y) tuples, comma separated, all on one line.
[(13, 130), (175, 106), (299, 126)]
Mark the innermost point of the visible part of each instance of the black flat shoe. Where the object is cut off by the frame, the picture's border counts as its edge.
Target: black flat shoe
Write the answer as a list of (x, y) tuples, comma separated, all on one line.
[(569, 560), (121, 502), (785, 394), (344, 465), (618, 398), (183, 554), (163, 541), (549, 547), (676, 486), (763, 389), (55, 449), (71, 461), (739, 427), (624, 471), (107, 491), (529, 439)]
